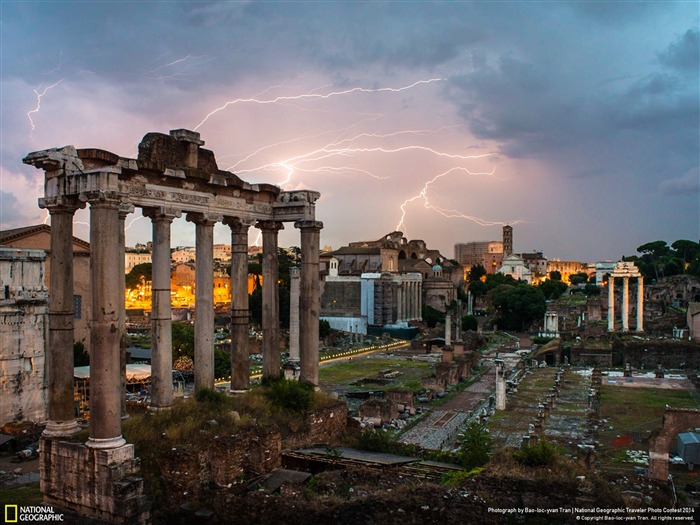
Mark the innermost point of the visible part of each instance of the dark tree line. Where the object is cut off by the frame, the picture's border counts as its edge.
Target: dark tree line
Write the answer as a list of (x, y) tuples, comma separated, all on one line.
[(657, 259)]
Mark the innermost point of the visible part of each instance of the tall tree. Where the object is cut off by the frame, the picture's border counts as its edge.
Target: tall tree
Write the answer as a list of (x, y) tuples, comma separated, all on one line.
[(519, 306)]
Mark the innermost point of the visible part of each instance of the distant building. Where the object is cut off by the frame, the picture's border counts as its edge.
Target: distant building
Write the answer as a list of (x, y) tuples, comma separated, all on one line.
[(507, 240), (38, 237), (515, 266), (384, 282), (222, 252), (536, 262), (183, 255), (133, 258), (23, 325), (566, 268), (602, 270), (488, 254)]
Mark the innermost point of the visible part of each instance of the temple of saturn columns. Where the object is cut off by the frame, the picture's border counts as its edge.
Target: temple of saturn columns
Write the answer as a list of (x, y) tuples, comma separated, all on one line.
[(624, 270), (172, 175)]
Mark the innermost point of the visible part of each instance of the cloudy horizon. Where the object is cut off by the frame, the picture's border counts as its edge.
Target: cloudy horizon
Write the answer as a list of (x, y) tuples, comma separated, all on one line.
[(575, 122)]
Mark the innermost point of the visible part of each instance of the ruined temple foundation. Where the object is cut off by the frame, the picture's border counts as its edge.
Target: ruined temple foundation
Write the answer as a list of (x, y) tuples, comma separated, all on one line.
[(171, 176), (100, 483)]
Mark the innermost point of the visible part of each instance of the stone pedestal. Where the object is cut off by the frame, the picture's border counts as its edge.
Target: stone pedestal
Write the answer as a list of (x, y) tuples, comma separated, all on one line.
[(98, 483), (500, 384)]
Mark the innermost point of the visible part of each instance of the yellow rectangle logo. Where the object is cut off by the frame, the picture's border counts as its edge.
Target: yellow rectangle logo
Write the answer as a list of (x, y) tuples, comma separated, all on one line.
[(11, 513)]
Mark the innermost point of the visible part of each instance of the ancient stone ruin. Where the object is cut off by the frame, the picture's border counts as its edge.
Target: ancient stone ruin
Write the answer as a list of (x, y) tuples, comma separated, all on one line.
[(172, 175)]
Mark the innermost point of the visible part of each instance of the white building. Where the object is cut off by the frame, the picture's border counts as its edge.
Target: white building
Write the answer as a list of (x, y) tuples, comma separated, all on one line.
[(132, 259), (514, 266)]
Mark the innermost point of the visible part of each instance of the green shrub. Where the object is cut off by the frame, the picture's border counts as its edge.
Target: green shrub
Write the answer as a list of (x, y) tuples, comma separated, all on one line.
[(539, 455), (454, 479), (209, 396), (375, 441), (290, 396)]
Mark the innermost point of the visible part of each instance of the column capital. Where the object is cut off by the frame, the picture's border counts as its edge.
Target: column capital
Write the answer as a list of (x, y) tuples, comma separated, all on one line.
[(238, 223), (125, 209), (309, 225), (102, 198), (205, 219), (60, 204), (161, 213), (270, 226)]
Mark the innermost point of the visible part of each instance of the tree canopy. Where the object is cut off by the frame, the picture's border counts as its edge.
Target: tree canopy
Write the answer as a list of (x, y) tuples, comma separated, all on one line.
[(519, 306), (134, 276), (657, 259)]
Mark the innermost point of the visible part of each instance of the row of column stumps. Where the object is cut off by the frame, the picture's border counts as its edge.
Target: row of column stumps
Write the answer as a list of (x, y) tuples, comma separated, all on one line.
[(536, 428)]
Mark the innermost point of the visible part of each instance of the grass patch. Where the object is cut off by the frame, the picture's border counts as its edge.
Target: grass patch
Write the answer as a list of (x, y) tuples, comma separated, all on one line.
[(637, 410), (412, 372), (23, 496)]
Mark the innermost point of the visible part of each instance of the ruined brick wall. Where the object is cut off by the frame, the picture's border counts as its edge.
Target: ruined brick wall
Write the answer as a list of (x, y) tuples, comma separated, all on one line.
[(23, 332), (341, 299), (325, 425)]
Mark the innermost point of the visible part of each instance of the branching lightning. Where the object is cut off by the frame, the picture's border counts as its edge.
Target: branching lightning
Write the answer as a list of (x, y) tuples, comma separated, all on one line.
[(313, 95), (38, 104)]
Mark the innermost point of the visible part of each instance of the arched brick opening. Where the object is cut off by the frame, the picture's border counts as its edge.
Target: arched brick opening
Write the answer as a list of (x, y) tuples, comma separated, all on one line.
[(675, 420)]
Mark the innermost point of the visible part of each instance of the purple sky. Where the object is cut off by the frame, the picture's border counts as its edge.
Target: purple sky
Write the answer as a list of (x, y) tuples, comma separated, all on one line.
[(577, 123)]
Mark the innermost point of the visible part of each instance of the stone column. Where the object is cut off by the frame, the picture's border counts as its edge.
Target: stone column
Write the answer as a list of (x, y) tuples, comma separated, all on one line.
[(294, 291), (500, 384), (611, 304), (400, 309), (59, 351), (270, 297), (625, 304), (161, 308), (204, 299), (420, 300), (448, 329), (640, 304), (105, 369), (124, 210), (240, 353), (309, 300)]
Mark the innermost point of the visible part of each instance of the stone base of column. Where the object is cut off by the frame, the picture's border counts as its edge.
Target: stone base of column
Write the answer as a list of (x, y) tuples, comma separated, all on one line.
[(106, 443), (58, 429), (101, 484)]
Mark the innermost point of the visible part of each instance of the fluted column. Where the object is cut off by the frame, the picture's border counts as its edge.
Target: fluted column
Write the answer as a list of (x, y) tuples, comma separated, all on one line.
[(294, 291), (625, 304), (161, 308), (270, 297), (420, 300), (105, 369), (59, 351), (204, 299), (611, 304), (640, 304), (400, 309), (240, 358), (124, 210), (309, 300)]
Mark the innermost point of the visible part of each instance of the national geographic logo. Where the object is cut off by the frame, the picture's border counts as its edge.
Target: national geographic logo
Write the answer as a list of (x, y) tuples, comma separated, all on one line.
[(44, 513)]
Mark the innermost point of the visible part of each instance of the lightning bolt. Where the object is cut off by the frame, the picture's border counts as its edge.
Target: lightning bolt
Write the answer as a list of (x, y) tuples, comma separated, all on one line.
[(423, 194), (133, 221), (38, 104), (313, 95)]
